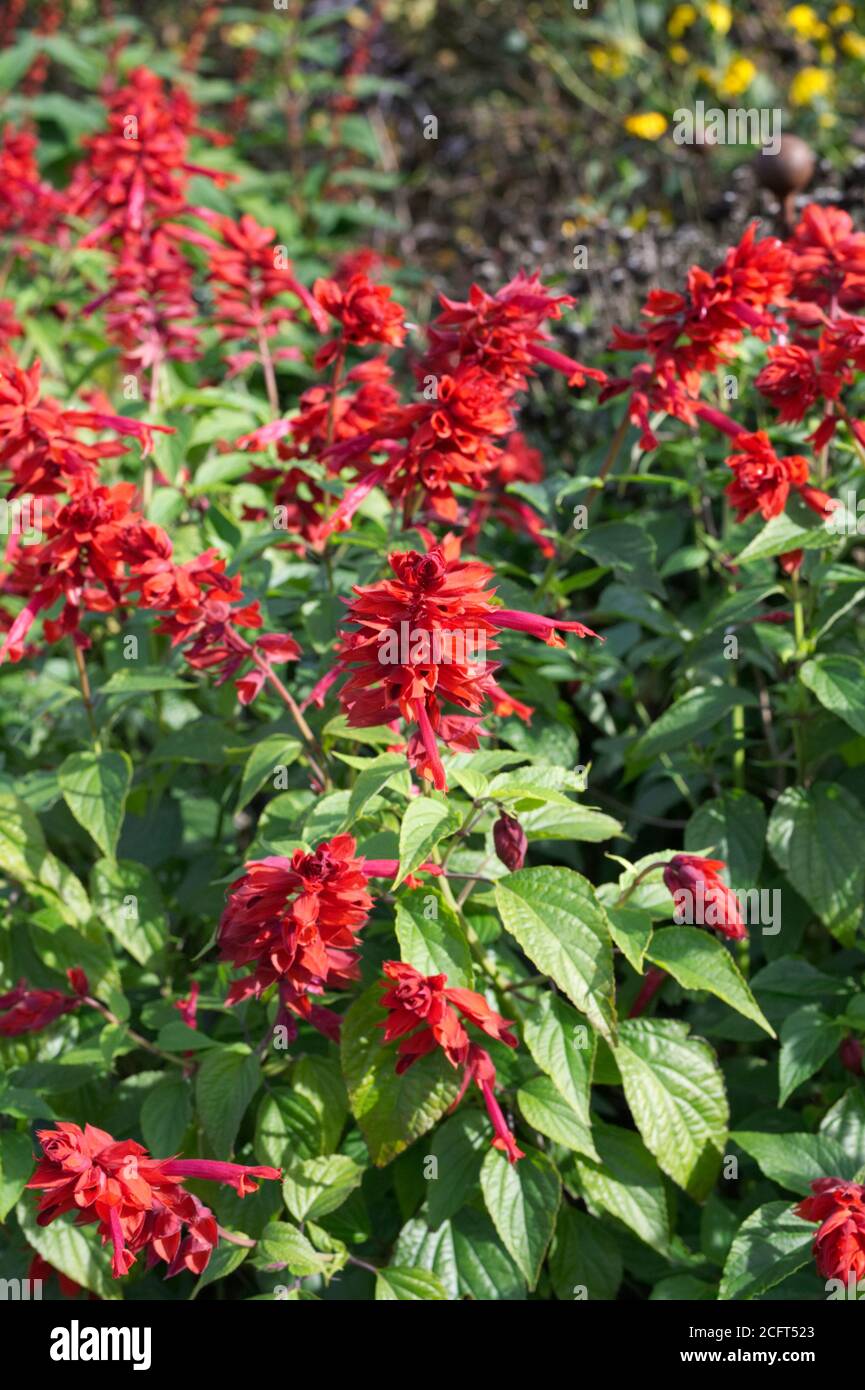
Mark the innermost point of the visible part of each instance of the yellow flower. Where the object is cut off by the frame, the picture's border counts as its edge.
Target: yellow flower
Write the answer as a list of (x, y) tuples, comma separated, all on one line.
[(608, 60), (738, 77), (842, 14), (827, 119), (648, 125), (719, 16), (682, 18), (854, 44), (827, 54), (239, 35), (808, 84), (678, 53), (806, 22)]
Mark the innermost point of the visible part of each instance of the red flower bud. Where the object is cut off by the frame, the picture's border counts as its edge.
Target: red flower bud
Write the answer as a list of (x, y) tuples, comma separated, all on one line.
[(851, 1053), (510, 841)]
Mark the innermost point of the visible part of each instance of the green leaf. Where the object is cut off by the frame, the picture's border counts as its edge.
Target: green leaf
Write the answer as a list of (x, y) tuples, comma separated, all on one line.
[(283, 1244), (675, 1091), (522, 1199), (127, 900), (845, 1123), (287, 1127), (166, 1114), (733, 826), (392, 1110), (626, 1182), (372, 779), (25, 856), (771, 1244), (431, 937), (75, 1252), (319, 1080), (466, 1255), (459, 1147), (277, 750), (782, 534), (177, 1036), (94, 787), (584, 1256), (631, 930), (698, 961), (426, 821), (16, 1166), (687, 719), (838, 681), (558, 922), (545, 1109), (626, 548), (795, 1160), (408, 1284), (227, 1080), (315, 1187), (225, 1259), (569, 822), (128, 682), (815, 836), (563, 1046), (808, 1038)]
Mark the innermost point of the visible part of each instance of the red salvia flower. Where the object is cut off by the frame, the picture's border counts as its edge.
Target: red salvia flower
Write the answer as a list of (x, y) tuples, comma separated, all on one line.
[(31, 210), (139, 1202), (297, 922), (365, 312), (424, 1015), (839, 1245), (763, 481), (420, 640), (827, 258), (793, 381), (702, 897), (27, 1010)]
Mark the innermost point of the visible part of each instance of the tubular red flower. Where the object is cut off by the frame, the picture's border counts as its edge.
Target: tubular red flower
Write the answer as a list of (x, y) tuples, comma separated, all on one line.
[(138, 1202), (420, 640), (763, 481), (27, 1010), (702, 897), (839, 1245), (297, 922), (425, 1015)]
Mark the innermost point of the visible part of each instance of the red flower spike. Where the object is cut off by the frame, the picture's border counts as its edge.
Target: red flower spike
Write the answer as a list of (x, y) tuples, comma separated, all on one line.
[(839, 1245), (420, 640), (26, 1010), (139, 1203), (424, 1015)]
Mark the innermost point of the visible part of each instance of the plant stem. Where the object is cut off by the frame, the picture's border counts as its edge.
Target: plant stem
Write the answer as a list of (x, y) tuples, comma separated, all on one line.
[(130, 1033), (86, 695)]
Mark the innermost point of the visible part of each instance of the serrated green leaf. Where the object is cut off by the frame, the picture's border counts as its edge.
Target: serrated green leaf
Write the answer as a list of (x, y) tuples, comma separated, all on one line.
[(559, 923), (522, 1199), (675, 1092), (94, 787), (425, 822), (227, 1080), (698, 961), (770, 1245)]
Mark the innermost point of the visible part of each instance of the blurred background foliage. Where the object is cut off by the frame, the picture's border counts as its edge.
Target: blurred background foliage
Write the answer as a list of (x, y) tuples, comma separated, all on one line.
[(466, 140)]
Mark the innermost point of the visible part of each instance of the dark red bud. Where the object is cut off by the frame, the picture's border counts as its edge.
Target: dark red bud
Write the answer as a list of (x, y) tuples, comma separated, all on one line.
[(851, 1053), (510, 841)]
